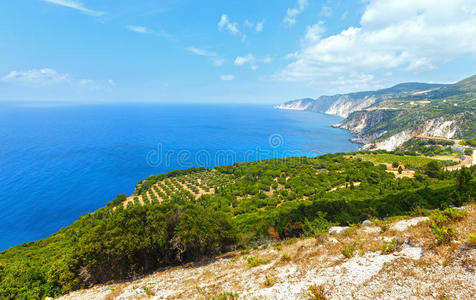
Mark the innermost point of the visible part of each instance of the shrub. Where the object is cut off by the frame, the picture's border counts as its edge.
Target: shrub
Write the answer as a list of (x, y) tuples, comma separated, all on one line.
[(444, 234), (395, 164), (286, 257), (471, 240), (255, 260), (468, 151), (226, 296), (348, 251), (443, 217), (317, 292), (269, 281), (389, 247), (439, 223)]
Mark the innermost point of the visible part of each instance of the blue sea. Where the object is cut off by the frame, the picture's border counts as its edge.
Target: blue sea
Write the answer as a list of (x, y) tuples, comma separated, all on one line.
[(58, 162)]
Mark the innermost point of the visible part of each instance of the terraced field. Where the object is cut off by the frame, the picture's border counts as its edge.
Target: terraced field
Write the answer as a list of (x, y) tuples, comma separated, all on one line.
[(190, 186)]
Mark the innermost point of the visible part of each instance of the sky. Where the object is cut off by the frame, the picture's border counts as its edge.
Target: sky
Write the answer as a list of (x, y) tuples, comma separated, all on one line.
[(254, 51)]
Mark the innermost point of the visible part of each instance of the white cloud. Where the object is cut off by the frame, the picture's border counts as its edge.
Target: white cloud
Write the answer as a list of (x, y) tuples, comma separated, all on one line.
[(292, 13), (405, 35), (111, 82), (46, 77), (259, 26), (139, 29), (251, 61), (201, 52), (267, 60), (242, 60), (225, 23), (326, 11), (217, 61), (227, 77), (76, 5), (35, 77)]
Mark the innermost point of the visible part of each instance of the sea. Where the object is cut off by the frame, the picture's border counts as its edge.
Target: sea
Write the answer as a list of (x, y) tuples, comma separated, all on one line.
[(60, 161)]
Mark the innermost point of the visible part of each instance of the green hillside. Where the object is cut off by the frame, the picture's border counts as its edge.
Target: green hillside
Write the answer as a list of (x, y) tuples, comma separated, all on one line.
[(248, 204)]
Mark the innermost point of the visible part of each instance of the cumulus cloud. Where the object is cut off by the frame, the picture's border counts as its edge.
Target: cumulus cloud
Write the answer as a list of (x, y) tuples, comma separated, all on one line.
[(407, 35), (227, 77), (292, 13), (77, 5), (139, 29), (225, 24)]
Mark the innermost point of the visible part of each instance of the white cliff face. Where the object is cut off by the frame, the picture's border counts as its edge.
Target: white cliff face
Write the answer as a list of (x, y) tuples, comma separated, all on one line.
[(435, 128), (440, 128), (344, 105), (392, 142)]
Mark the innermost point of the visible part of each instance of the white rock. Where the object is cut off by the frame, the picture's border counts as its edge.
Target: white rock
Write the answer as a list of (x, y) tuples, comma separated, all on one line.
[(372, 229), (338, 229), (367, 223), (405, 224)]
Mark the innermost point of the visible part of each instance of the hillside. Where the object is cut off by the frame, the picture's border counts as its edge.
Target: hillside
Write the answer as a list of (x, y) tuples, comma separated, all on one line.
[(385, 119), (393, 259), (188, 215)]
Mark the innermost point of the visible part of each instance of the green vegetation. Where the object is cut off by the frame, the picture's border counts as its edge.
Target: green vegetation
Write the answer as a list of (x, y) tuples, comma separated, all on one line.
[(249, 204), (427, 147), (468, 142), (255, 260), (226, 296), (389, 247), (402, 110), (317, 292), (440, 223), (409, 161), (348, 250), (471, 240)]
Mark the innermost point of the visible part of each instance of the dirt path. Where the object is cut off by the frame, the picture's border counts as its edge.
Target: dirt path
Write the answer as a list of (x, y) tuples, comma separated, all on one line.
[(342, 186)]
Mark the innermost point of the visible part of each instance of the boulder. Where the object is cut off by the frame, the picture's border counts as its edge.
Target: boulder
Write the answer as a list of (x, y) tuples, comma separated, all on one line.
[(367, 223), (338, 229)]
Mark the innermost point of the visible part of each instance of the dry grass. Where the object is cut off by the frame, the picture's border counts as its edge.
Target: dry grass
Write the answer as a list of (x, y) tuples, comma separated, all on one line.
[(296, 264)]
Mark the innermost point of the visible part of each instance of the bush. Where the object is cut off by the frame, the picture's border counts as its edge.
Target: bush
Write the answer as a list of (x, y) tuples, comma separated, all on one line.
[(468, 151), (471, 240), (317, 292), (444, 234), (269, 281), (254, 261), (226, 296), (395, 164), (286, 257), (439, 223), (348, 250), (389, 247)]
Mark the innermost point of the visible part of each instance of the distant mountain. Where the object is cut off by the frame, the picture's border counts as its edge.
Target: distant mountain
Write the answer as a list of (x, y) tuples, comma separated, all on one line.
[(386, 118), (344, 104)]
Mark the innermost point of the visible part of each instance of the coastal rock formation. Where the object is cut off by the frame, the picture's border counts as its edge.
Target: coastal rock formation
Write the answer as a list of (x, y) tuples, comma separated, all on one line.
[(387, 118)]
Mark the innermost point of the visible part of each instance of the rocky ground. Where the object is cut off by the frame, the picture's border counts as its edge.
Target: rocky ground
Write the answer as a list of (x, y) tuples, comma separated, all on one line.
[(384, 260)]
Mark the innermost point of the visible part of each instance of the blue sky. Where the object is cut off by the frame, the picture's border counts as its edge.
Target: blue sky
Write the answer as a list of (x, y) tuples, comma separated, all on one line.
[(257, 51)]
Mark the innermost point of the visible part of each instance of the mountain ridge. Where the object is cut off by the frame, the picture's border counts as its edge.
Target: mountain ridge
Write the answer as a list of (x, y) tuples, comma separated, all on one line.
[(386, 118)]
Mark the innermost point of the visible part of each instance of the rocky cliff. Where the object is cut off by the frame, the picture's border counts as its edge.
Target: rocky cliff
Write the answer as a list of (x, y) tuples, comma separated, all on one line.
[(387, 118)]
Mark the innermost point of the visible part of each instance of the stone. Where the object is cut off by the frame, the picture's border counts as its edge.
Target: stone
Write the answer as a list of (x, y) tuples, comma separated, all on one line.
[(367, 223), (337, 229)]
